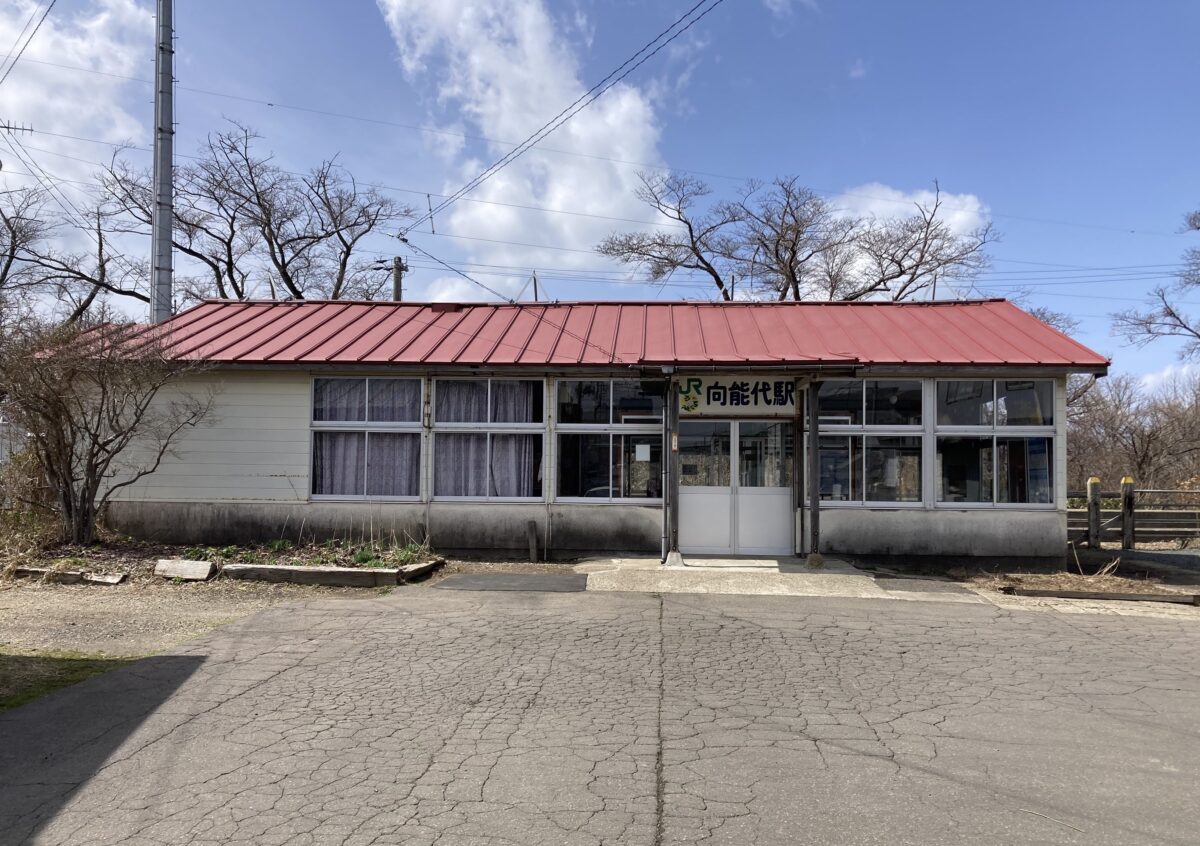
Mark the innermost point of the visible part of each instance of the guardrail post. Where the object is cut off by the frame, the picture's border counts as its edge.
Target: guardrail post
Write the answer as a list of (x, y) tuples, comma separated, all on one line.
[(1127, 515), (1093, 512)]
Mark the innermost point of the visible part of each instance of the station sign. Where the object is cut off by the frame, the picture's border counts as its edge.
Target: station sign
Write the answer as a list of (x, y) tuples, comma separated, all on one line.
[(734, 395)]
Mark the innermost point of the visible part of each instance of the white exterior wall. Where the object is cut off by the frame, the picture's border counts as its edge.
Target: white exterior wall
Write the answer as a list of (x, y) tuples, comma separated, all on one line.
[(254, 446)]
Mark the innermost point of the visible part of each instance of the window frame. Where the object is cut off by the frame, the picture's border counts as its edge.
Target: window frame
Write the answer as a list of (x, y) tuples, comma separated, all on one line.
[(862, 431), (365, 426), (485, 428), (610, 429), (994, 431)]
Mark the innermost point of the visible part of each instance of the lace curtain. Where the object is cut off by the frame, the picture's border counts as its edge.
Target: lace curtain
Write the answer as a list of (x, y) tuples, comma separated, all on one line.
[(465, 464)]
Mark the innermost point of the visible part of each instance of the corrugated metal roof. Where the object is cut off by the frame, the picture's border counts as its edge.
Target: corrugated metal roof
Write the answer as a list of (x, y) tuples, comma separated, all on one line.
[(955, 333)]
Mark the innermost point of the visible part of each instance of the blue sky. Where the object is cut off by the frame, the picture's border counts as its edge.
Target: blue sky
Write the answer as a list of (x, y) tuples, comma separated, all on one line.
[(1069, 125)]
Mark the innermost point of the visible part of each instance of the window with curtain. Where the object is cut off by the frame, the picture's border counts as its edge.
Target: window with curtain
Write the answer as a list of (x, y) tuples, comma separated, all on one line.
[(995, 441), (609, 439), (488, 438), (366, 438), (870, 440)]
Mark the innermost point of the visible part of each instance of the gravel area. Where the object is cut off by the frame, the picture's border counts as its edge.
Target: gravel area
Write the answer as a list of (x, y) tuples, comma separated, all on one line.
[(147, 614), (137, 618)]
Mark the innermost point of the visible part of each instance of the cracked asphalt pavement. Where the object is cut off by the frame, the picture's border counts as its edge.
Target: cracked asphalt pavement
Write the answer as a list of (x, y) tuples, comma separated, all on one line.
[(456, 718)]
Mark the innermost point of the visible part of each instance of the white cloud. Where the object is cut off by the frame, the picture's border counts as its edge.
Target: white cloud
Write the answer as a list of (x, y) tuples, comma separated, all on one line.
[(667, 90), (111, 36), (784, 8), (506, 67), (963, 212), (1171, 373), (858, 70)]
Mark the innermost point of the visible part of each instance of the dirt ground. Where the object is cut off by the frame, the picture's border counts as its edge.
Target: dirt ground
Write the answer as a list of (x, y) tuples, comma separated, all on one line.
[(138, 617), (147, 614), (1074, 581)]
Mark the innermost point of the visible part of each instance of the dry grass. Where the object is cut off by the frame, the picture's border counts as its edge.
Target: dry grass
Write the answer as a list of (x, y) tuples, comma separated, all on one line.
[(1102, 583), (27, 674)]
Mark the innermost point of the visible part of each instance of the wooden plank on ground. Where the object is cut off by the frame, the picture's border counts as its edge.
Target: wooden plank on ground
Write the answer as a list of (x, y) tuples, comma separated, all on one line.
[(328, 576), (1177, 598), (409, 572), (185, 570), (104, 578), (62, 577)]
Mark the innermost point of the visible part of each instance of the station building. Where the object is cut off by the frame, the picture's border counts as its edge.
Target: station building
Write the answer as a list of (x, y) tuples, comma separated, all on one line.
[(934, 428)]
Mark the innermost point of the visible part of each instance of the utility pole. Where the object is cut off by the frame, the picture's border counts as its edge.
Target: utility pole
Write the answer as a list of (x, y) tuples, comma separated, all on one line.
[(162, 260), (398, 268)]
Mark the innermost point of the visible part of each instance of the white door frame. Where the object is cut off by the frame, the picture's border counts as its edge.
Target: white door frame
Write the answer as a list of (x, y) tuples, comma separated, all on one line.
[(702, 507)]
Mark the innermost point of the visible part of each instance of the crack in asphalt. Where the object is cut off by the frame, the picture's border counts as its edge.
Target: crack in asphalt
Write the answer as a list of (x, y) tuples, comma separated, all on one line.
[(586, 720)]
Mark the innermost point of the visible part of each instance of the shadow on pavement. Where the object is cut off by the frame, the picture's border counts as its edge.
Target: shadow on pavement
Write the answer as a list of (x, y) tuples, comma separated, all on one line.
[(52, 746)]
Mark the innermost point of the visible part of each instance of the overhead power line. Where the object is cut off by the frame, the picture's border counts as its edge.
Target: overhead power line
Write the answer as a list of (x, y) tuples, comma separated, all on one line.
[(12, 51), (431, 130), (825, 192), (377, 185), (647, 52), (20, 52)]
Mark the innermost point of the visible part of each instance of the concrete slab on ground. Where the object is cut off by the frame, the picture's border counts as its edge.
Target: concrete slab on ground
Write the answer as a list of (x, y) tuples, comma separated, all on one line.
[(534, 582), (757, 576), (748, 582)]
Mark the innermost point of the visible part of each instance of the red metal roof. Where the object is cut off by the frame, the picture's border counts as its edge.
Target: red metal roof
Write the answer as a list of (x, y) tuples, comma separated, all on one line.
[(954, 333)]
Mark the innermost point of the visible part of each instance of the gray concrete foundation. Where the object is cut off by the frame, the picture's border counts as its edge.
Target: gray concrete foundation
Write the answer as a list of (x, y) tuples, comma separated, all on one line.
[(470, 528), (996, 533)]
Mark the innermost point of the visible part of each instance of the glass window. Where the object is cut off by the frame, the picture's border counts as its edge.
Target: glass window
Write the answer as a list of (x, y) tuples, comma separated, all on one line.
[(516, 465), (893, 469), (893, 402), (516, 401), (583, 466), (963, 403), (1023, 470), (383, 459), (964, 469), (840, 402), (339, 400), (394, 400), (637, 466), (1025, 402), (765, 453), (704, 454), (460, 464), (840, 468), (583, 402), (638, 401), (461, 401), (338, 462), (393, 463)]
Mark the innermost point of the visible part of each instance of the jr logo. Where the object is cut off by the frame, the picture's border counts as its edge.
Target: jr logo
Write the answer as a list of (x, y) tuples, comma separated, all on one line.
[(689, 394)]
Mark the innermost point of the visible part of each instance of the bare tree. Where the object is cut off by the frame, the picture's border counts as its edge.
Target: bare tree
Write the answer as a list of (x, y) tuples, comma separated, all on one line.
[(252, 226), (212, 226), (790, 243), (90, 398), (1123, 428), (80, 278), (700, 240), (907, 256), (1166, 316), (782, 231), (23, 225)]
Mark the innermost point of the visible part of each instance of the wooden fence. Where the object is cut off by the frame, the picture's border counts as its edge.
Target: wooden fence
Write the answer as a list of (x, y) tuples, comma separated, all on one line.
[(1132, 515)]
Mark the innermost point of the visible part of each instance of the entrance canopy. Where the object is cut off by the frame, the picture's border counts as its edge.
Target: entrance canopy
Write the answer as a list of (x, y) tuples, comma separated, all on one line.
[(979, 333)]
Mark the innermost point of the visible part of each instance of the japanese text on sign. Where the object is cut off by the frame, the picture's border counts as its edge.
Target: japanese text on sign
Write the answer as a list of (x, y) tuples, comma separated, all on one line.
[(735, 395)]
